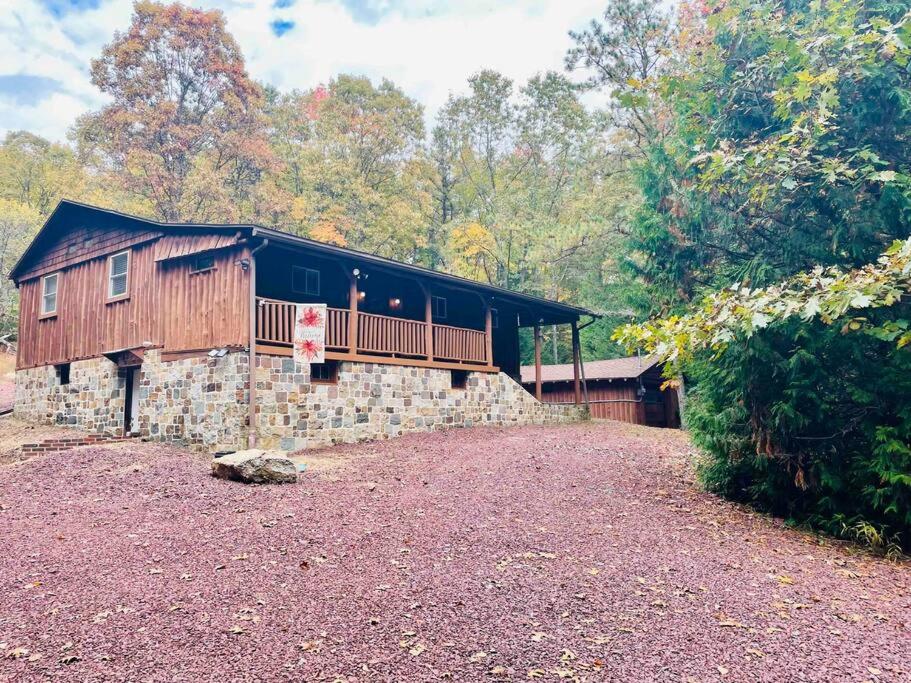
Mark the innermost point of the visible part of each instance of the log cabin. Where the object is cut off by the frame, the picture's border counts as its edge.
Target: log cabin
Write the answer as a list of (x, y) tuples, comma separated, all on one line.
[(624, 389), (138, 327)]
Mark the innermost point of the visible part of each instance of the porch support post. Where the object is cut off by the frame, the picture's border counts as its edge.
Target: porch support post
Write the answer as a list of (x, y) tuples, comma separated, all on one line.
[(577, 363), (488, 333), (352, 313), (428, 322), (538, 393)]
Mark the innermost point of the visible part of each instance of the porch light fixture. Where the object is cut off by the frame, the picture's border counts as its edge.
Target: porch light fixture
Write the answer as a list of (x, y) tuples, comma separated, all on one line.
[(395, 303), (361, 295)]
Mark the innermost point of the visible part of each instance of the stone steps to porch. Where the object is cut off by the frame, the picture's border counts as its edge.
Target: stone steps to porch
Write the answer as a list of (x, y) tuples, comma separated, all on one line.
[(66, 443)]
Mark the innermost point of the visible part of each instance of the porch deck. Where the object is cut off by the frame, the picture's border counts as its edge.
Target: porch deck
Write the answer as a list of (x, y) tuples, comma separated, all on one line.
[(379, 338)]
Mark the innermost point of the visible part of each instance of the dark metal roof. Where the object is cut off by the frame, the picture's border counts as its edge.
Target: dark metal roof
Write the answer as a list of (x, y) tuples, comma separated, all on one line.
[(567, 310)]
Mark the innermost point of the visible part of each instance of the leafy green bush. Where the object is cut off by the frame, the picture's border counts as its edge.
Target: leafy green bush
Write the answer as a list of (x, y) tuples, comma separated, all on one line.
[(810, 424)]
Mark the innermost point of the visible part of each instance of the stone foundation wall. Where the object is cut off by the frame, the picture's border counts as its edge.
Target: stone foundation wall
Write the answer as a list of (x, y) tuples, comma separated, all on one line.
[(93, 400), (373, 401), (202, 401), (198, 401)]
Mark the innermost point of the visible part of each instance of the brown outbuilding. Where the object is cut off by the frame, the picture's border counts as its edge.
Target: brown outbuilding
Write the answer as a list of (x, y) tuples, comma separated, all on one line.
[(625, 389)]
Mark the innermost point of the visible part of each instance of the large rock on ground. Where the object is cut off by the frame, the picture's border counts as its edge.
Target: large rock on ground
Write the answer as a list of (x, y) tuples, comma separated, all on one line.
[(256, 467)]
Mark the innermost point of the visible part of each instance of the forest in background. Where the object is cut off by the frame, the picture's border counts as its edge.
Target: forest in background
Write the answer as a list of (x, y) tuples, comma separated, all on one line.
[(515, 184), (744, 198)]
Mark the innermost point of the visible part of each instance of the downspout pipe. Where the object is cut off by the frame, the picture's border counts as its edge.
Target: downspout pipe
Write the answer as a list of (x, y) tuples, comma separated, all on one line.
[(251, 420)]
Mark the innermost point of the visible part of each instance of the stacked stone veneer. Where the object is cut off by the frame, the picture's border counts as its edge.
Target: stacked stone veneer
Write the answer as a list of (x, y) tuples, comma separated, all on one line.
[(203, 402), (93, 400), (199, 401), (372, 400)]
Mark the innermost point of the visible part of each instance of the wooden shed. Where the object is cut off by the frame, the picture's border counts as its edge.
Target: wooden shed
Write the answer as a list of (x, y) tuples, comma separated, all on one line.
[(624, 389)]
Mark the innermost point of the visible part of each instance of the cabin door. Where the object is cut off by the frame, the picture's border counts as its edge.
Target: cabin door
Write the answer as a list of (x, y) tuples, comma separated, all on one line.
[(131, 402)]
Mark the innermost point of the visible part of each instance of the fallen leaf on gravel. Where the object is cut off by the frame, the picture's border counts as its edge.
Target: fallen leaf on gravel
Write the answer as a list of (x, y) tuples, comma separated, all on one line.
[(536, 673), (417, 649), (175, 607), (69, 659), (155, 570), (242, 556), (874, 671), (727, 623), (599, 640), (499, 671), (722, 670), (236, 630), (784, 580), (568, 655), (538, 636), (17, 652), (35, 657), (759, 654), (623, 629), (593, 571), (477, 656)]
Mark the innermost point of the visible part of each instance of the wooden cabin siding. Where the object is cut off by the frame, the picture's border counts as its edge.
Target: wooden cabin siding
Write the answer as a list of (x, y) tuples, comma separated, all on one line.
[(82, 244), (620, 394), (167, 306)]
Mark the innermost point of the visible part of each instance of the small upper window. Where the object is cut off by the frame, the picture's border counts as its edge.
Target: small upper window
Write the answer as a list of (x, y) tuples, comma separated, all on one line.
[(439, 307), (305, 280), (118, 272), (494, 318), (49, 293), (203, 262)]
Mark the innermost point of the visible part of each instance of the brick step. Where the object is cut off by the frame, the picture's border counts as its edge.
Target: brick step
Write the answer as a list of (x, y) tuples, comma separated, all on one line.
[(66, 443)]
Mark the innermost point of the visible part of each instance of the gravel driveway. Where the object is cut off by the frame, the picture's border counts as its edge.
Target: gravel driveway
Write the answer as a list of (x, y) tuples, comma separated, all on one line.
[(574, 553)]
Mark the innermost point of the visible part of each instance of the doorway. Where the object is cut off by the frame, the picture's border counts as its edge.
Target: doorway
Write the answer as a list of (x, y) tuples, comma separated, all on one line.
[(131, 401)]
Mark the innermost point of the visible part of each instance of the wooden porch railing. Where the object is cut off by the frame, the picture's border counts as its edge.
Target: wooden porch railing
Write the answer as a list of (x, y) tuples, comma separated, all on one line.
[(378, 336), (275, 324), (459, 343)]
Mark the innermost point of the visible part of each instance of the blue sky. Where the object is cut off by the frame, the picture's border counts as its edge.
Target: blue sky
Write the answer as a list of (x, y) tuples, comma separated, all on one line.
[(428, 47)]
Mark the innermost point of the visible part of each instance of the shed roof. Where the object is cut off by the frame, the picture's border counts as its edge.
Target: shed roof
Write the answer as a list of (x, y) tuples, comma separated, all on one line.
[(614, 368)]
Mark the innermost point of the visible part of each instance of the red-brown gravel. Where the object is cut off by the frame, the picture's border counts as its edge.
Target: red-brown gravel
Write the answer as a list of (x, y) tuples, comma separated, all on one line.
[(576, 552)]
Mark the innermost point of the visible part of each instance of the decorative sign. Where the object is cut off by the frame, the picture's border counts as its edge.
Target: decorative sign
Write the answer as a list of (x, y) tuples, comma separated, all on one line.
[(310, 333)]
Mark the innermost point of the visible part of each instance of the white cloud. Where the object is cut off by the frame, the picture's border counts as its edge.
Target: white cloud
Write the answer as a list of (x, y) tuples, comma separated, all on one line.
[(428, 48)]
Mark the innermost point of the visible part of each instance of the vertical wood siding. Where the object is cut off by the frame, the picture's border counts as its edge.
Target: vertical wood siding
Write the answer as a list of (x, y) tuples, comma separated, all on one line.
[(621, 397), (167, 306)]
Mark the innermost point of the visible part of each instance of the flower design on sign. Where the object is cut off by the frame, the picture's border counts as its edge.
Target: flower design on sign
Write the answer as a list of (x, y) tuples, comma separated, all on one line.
[(309, 348), (311, 318)]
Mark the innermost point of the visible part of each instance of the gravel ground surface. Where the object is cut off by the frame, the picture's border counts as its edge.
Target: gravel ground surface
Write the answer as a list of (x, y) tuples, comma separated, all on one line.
[(7, 394), (574, 553)]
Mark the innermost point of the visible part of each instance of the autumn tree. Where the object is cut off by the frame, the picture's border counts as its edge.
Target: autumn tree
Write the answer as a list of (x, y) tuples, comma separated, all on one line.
[(184, 128), (353, 165), (19, 223)]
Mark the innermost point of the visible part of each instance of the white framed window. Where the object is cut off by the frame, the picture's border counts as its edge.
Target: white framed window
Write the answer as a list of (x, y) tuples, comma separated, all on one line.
[(118, 275), (439, 307), (50, 285), (304, 280)]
